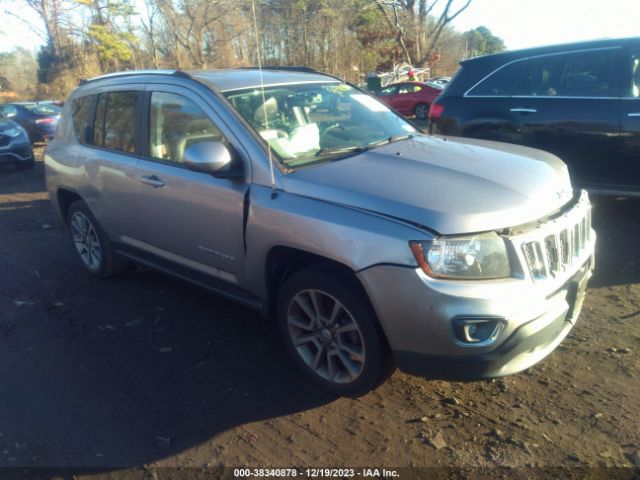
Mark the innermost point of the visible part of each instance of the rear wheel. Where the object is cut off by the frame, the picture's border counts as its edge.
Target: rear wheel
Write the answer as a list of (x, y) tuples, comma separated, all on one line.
[(421, 111), (91, 243), (332, 332)]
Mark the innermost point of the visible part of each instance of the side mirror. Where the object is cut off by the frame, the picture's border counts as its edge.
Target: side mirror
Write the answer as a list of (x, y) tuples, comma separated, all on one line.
[(210, 157)]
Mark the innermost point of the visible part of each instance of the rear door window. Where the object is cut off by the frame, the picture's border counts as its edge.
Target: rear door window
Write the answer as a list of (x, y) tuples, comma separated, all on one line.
[(115, 122), (578, 74)]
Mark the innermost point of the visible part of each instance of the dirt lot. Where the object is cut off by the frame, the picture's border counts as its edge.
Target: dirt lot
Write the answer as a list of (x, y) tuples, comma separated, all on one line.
[(142, 370)]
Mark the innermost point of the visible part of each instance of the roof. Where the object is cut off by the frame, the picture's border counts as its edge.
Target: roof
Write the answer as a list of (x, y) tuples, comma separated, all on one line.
[(239, 79), (533, 51), (234, 79)]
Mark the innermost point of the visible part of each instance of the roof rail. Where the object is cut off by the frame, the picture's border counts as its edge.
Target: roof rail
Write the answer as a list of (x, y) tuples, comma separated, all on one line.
[(285, 68), (175, 73)]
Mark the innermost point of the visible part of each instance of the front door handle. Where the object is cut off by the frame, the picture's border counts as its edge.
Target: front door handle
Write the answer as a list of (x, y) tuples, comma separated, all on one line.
[(636, 114), (524, 110), (152, 180)]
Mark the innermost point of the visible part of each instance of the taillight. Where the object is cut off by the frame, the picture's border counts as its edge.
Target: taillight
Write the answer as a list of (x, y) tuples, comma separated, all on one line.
[(435, 110), (46, 120)]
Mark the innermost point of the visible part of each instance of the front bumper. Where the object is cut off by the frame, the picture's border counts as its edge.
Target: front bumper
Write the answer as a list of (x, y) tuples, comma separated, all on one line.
[(16, 151), (417, 314), (527, 345)]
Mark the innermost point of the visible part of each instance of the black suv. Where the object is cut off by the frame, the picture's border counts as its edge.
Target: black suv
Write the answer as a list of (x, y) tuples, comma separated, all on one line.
[(579, 101)]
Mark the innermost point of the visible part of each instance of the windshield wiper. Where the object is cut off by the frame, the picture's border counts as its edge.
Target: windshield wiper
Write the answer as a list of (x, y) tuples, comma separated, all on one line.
[(363, 148), (391, 139), (332, 151)]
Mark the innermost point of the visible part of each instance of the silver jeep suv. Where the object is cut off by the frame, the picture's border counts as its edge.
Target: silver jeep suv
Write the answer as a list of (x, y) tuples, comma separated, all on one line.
[(371, 244)]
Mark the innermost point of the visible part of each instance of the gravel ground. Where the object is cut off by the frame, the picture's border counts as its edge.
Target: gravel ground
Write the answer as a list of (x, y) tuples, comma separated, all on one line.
[(142, 370)]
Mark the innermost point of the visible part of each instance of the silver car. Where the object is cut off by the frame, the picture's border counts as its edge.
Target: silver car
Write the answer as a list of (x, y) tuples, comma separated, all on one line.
[(371, 244)]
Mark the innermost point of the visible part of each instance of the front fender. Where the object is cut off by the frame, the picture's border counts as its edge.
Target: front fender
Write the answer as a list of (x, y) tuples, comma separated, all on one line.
[(350, 237)]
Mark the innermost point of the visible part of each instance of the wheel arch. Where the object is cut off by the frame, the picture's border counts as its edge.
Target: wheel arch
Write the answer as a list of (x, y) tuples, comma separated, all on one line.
[(65, 198), (283, 261)]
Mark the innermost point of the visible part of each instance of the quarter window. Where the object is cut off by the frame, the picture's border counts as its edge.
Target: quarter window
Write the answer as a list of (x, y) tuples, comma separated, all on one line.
[(115, 121), (635, 75), (579, 74), (175, 124), (501, 82), (81, 113)]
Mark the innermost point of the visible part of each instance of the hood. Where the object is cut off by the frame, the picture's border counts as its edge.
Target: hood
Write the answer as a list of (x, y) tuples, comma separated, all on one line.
[(449, 186), (6, 124)]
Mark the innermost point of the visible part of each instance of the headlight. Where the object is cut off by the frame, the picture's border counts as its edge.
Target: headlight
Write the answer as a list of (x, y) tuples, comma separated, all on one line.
[(474, 257), (12, 132)]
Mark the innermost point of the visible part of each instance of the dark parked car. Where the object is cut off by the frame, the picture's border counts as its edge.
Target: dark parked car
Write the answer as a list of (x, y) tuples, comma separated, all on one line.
[(39, 120), (579, 101), (410, 98), (14, 145)]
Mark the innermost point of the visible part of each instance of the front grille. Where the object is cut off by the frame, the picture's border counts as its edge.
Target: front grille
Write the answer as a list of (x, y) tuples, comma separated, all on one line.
[(4, 140), (559, 244)]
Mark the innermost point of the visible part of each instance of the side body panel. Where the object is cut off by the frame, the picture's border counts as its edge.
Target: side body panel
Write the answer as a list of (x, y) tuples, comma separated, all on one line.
[(193, 217)]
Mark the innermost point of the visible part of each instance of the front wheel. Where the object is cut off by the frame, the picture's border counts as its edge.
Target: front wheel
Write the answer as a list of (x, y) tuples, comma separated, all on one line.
[(421, 111), (331, 331)]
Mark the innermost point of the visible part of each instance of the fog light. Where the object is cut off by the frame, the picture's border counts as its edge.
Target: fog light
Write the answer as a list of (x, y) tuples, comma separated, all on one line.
[(477, 331)]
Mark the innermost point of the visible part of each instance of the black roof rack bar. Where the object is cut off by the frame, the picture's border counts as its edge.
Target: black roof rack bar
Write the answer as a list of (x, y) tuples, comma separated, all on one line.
[(175, 73)]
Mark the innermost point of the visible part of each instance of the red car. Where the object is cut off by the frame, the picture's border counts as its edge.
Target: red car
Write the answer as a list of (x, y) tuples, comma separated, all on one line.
[(409, 98)]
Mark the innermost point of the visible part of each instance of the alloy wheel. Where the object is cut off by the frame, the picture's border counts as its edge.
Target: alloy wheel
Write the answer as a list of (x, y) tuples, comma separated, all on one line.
[(326, 336), (422, 111), (86, 240)]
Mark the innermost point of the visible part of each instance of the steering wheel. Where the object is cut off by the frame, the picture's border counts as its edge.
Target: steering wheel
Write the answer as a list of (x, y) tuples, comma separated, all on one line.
[(334, 127)]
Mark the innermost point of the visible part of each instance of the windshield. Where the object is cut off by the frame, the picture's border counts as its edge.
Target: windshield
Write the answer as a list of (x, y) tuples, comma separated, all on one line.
[(307, 123), (46, 109)]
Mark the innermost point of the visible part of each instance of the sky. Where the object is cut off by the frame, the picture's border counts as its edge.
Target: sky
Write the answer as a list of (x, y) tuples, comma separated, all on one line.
[(520, 23)]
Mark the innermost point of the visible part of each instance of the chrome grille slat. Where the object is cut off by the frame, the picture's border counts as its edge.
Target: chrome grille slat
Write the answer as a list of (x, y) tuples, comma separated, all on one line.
[(555, 250)]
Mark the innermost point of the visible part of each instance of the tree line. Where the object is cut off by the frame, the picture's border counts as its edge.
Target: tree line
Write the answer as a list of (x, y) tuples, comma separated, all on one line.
[(348, 38)]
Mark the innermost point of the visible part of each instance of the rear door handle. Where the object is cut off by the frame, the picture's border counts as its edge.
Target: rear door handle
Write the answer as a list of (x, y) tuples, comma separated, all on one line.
[(152, 180), (634, 114), (524, 110)]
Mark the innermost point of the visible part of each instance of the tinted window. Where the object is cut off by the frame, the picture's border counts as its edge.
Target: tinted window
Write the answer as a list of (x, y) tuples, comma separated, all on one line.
[(409, 88), (98, 128), (581, 74), (501, 82), (115, 121), (175, 123), (81, 112), (46, 109), (8, 110), (390, 90)]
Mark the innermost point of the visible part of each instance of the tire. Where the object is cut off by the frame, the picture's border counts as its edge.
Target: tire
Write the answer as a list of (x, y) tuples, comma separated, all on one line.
[(421, 111), (28, 165), (91, 243), (344, 351)]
